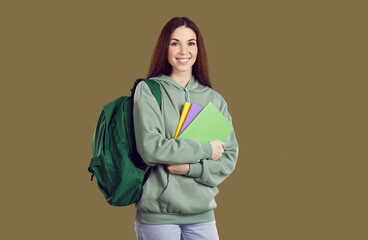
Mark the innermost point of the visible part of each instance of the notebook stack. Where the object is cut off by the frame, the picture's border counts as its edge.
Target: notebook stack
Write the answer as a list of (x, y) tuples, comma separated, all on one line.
[(205, 124)]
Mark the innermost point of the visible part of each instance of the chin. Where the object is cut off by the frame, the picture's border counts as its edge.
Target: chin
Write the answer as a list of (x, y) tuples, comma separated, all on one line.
[(183, 70)]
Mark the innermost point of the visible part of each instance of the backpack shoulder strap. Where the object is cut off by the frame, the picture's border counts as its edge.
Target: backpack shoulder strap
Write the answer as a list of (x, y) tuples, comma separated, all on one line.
[(153, 85)]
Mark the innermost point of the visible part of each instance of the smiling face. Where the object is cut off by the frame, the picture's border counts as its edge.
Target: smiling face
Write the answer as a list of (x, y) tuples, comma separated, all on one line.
[(182, 52)]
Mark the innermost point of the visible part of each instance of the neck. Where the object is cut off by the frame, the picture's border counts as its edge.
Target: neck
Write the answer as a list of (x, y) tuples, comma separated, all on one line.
[(181, 78)]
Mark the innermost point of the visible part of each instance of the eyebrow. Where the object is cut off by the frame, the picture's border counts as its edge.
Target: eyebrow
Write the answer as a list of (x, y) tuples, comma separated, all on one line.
[(179, 40)]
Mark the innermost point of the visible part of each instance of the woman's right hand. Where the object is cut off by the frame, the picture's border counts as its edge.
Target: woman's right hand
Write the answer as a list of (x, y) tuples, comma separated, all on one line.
[(217, 149)]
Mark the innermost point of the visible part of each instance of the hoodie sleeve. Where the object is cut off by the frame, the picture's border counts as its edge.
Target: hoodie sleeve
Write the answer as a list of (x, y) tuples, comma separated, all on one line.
[(215, 172), (151, 142)]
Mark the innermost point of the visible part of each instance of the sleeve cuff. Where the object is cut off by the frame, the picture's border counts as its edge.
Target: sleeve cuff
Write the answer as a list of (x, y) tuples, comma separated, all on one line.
[(207, 150), (195, 170)]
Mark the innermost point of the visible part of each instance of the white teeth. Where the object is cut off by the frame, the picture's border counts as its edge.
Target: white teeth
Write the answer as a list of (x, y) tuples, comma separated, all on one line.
[(183, 60)]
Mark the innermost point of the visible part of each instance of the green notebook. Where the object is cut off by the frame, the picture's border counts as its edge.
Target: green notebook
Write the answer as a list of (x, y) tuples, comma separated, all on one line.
[(208, 125)]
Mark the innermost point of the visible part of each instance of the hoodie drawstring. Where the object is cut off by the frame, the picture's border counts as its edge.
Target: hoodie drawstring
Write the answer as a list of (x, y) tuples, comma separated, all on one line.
[(187, 98)]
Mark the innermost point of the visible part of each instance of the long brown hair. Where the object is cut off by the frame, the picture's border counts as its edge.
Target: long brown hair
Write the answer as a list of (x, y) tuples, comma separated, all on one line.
[(159, 62)]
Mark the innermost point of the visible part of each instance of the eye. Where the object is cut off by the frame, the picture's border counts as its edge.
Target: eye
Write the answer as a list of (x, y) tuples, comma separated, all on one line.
[(174, 44), (192, 44)]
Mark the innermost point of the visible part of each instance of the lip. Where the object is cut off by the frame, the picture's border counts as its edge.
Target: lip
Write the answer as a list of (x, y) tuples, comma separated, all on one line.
[(183, 61)]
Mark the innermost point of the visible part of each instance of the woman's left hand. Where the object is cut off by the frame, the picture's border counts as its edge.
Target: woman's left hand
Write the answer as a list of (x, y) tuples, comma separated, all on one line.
[(178, 169)]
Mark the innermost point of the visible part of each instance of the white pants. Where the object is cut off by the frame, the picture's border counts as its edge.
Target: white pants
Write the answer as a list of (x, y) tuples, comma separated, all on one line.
[(197, 231)]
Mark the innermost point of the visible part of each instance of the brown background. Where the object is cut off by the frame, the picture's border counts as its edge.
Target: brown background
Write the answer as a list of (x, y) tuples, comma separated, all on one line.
[(293, 73)]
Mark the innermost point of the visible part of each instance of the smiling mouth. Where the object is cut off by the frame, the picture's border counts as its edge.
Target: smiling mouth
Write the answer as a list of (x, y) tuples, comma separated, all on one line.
[(183, 60)]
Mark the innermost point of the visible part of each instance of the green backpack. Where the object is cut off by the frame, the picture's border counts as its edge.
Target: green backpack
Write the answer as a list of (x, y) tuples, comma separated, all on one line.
[(120, 171)]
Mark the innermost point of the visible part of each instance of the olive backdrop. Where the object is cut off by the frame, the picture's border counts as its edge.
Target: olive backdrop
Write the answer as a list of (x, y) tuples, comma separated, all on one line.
[(292, 72)]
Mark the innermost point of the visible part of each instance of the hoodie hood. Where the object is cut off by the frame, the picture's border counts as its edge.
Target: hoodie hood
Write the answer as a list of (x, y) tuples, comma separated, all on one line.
[(194, 86)]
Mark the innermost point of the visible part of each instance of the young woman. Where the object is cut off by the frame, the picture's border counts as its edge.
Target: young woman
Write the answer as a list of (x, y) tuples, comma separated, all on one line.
[(178, 198)]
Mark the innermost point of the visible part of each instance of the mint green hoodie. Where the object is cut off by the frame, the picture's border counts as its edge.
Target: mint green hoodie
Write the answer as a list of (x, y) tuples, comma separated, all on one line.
[(176, 199)]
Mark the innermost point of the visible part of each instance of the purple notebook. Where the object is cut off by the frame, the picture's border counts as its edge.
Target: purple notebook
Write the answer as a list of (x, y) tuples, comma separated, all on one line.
[(192, 113)]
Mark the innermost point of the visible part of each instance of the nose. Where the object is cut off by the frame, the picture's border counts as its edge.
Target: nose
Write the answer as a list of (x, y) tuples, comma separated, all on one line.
[(183, 49)]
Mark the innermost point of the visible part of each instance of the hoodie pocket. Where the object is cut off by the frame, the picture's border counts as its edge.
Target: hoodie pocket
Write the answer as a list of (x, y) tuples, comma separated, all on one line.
[(186, 196)]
